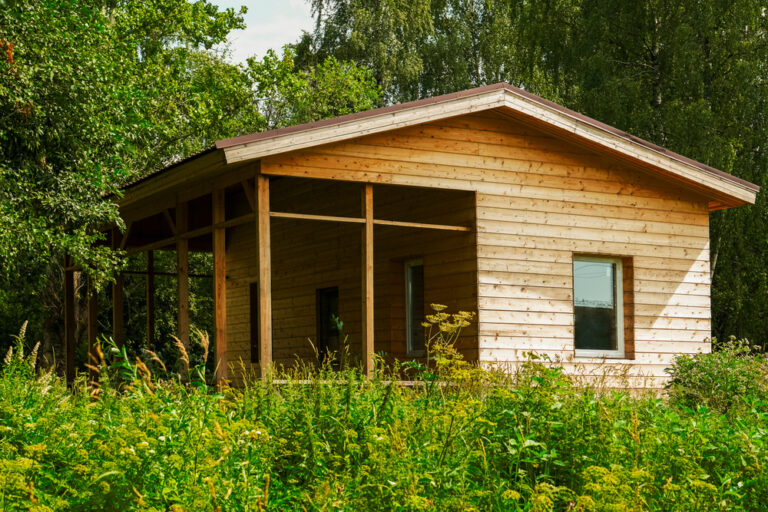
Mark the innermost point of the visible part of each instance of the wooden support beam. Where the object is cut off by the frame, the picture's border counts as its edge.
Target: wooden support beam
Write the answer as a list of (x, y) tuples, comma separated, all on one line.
[(161, 273), (182, 270), (150, 299), (367, 281), (250, 194), (169, 221), (420, 225), (306, 216), (361, 220), (118, 289), (69, 323), (243, 219), (265, 274), (160, 244), (220, 285), (171, 240), (93, 311), (248, 217), (124, 239)]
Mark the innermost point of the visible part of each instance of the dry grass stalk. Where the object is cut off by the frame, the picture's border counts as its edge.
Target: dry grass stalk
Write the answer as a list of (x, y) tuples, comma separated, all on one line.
[(140, 501), (153, 357), (182, 350), (205, 342), (143, 370)]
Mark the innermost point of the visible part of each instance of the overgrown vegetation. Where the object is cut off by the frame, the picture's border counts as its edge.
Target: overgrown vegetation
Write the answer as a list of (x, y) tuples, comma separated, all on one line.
[(142, 438), (726, 379)]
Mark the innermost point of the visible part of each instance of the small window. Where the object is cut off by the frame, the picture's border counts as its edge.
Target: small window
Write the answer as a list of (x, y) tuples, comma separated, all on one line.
[(327, 325), (598, 307), (414, 307), (254, 309)]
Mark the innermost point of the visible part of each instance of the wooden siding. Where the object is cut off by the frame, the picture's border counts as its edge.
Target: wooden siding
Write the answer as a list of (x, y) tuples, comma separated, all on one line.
[(539, 201)]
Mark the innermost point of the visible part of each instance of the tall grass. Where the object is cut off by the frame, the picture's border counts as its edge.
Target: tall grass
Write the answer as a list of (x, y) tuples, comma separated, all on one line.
[(318, 439)]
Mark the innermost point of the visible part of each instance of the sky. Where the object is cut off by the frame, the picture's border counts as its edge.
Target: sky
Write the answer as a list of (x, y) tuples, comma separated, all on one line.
[(269, 24)]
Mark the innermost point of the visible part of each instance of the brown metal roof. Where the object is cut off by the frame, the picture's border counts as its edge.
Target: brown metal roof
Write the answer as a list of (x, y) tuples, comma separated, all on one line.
[(245, 139), (168, 167)]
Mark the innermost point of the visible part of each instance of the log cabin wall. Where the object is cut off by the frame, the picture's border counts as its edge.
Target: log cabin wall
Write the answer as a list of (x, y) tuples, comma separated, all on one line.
[(540, 200)]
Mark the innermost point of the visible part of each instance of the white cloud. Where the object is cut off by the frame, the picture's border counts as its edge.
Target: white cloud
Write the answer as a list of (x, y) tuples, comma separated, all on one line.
[(269, 24)]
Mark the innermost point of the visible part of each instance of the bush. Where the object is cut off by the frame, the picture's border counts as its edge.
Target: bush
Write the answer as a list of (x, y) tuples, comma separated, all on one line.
[(733, 376)]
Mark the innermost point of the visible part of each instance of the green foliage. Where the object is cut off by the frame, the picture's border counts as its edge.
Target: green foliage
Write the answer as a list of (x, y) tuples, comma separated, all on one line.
[(315, 439), (93, 93), (385, 36), (288, 95), (727, 379)]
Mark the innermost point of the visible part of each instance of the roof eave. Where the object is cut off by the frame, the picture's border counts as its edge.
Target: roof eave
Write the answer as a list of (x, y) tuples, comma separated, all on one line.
[(353, 126), (737, 191)]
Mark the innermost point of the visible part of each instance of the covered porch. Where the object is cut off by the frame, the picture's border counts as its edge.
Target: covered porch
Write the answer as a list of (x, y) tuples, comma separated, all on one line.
[(292, 255)]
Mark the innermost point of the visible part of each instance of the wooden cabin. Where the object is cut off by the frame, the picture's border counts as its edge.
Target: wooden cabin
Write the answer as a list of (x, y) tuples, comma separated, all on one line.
[(568, 237)]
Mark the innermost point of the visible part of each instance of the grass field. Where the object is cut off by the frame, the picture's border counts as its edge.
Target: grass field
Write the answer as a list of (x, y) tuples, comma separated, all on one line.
[(467, 439)]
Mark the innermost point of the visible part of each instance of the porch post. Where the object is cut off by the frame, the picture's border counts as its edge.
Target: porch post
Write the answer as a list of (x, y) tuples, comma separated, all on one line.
[(93, 311), (69, 321), (150, 299), (367, 281), (118, 321), (220, 284), (265, 274), (182, 273)]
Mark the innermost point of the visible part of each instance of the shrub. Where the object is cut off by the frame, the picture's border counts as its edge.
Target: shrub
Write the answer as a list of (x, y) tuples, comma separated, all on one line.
[(733, 376)]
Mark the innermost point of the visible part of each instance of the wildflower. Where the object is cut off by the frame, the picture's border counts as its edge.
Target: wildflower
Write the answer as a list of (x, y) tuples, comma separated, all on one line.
[(33, 355)]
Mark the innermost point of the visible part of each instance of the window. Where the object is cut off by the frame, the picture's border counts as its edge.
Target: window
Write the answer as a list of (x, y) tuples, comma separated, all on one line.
[(254, 307), (598, 307), (327, 327), (414, 307)]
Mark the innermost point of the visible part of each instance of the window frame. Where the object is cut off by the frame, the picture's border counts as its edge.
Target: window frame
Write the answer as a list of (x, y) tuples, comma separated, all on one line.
[(410, 351), (618, 277)]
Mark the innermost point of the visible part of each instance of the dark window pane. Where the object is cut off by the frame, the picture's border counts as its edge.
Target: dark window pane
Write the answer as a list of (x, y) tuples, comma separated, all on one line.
[(327, 327), (595, 305), (414, 295)]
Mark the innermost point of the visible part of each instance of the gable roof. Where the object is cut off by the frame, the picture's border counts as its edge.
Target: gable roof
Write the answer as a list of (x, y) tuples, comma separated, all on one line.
[(727, 189)]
